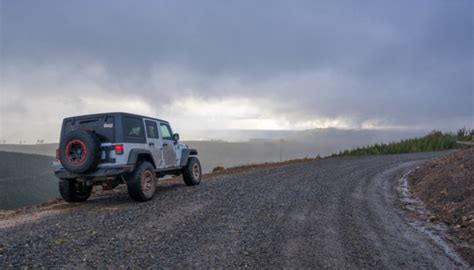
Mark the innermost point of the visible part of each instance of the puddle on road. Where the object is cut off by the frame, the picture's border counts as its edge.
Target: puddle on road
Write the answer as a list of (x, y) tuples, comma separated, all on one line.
[(418, 217)]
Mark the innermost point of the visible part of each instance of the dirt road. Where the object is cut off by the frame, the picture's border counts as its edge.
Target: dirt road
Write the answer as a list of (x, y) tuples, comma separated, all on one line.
[(335, 213)]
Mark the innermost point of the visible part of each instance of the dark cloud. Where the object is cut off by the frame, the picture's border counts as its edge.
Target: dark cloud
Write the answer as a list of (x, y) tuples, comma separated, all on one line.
[(402, 63)]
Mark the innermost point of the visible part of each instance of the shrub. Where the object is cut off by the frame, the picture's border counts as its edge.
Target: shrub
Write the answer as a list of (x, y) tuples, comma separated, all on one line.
[(434, 141)]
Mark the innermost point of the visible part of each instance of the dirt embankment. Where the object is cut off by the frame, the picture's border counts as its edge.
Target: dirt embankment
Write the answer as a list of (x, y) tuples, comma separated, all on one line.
[(446, 186)]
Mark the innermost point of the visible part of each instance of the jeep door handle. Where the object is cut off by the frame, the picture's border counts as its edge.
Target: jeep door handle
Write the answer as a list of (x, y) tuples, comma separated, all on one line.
[(165, 145), (151, 144)]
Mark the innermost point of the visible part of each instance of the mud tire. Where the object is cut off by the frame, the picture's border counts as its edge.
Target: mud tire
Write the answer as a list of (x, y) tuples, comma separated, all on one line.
[(192, 172), (141, 183), (73, 191)]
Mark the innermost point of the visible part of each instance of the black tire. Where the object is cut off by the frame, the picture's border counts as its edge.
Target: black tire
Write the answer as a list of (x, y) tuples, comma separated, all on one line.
[(73, 191), (141, 183), (79, 151), (192, 172)]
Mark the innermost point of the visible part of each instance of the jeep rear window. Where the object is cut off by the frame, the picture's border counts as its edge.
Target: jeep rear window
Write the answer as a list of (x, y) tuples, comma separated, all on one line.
[(133, 129), (103, 126)]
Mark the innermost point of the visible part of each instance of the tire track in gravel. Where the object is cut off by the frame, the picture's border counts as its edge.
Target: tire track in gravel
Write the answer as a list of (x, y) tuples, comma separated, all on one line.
[(334, 213)]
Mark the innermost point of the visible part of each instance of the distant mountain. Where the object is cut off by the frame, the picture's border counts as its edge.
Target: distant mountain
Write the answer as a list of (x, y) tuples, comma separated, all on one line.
[(358, 136), (235, 135)]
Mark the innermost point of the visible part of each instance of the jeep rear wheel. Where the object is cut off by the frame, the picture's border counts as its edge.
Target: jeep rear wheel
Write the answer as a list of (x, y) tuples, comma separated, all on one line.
[(192, 172), (141, 183), (73, 191)]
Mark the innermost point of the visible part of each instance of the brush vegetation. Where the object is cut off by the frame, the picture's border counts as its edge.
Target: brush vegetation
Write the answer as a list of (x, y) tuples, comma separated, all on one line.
[(434, 141)]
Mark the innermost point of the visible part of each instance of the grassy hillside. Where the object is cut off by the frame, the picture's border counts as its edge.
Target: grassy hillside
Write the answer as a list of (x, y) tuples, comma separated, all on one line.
[(434, 141), (26, 179)]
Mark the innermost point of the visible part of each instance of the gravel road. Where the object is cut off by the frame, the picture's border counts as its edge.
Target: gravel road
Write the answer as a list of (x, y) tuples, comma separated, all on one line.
[(334, 213)]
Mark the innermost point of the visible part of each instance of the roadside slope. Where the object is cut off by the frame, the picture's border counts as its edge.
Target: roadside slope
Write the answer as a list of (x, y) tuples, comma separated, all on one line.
[(446, 186), (337, 213)]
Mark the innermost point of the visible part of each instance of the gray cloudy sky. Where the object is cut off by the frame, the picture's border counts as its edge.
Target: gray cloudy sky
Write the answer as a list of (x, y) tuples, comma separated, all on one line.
[(238, 64)]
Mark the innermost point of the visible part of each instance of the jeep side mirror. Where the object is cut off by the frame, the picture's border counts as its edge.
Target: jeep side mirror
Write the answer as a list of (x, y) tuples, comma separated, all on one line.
[(176, 137)]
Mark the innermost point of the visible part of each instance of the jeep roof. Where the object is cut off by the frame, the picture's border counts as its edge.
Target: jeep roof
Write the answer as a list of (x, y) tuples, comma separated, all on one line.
[(97, 123)]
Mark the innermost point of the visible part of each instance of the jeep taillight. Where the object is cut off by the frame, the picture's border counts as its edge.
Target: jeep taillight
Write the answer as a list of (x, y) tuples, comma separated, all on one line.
[(57, 153), (119, 149)]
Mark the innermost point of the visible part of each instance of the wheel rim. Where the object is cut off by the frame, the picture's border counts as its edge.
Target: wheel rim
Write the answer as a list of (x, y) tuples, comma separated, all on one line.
[(148, 182), (196, 171), (76, 151)]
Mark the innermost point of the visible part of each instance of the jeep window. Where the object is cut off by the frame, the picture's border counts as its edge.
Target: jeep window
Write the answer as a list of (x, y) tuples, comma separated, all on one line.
[(151, 129), (102, 126), (133, 127), (166, 131)]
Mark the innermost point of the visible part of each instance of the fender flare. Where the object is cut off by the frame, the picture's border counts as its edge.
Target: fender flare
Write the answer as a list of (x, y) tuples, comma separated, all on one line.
[(134, 153), (185, 154)]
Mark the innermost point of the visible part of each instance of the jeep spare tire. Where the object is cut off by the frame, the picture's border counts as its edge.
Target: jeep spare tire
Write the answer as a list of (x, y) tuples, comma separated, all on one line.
[(79, 151)]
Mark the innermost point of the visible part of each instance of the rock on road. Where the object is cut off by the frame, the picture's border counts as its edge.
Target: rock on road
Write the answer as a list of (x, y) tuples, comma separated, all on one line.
[(333, 213)]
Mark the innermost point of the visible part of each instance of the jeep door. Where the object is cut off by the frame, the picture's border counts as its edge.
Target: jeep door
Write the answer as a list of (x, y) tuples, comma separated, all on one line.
[(169, 152), (154, 142)]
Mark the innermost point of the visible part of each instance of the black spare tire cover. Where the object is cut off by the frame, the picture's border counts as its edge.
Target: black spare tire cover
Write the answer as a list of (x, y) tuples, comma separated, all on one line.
[(79, 151)]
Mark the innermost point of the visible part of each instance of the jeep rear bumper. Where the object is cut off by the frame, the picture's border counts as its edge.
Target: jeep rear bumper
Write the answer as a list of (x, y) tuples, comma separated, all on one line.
[(99, 172)]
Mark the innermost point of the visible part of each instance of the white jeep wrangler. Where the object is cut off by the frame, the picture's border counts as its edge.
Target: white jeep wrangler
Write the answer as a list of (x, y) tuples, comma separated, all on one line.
[(112, 148)]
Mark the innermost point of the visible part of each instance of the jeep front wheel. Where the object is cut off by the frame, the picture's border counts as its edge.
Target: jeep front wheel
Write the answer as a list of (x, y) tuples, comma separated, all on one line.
[(141, 183), (73, 191), (192, 172)]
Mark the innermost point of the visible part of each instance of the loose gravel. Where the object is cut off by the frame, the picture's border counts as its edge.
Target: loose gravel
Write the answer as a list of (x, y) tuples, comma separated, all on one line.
[(334, 213)]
